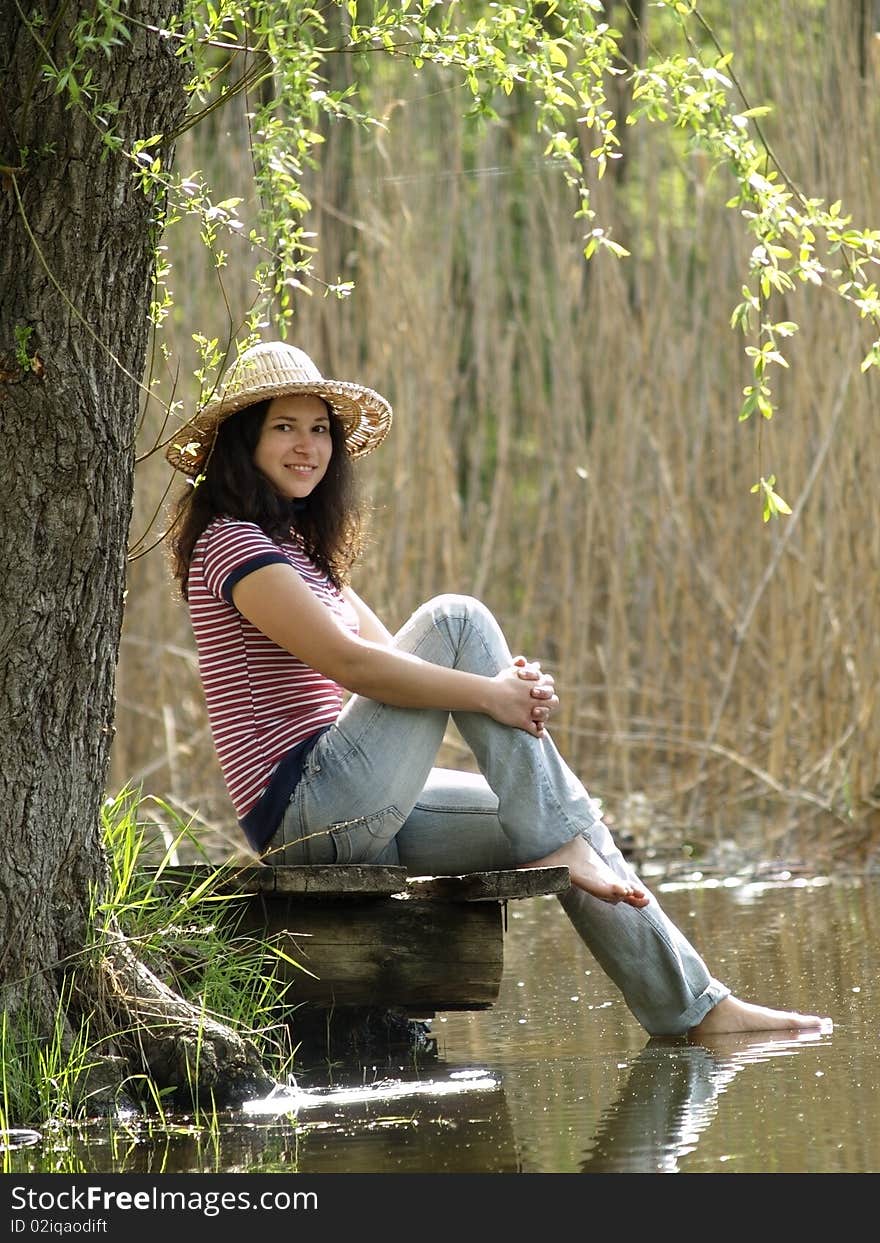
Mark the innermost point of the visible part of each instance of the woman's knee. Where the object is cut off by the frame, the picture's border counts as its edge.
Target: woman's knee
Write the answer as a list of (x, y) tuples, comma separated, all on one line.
[(460, 607), (455, 618)]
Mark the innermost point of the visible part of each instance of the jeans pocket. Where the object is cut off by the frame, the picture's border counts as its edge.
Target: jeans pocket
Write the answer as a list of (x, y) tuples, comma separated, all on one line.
[(295, 842), (363, 839)]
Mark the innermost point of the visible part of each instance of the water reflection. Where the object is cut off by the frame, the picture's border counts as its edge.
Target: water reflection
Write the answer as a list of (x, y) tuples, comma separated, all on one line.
[(294, 1101), (454, 1121), (439, 1125), (18, 1138), (558, 1078), (671, 1097)]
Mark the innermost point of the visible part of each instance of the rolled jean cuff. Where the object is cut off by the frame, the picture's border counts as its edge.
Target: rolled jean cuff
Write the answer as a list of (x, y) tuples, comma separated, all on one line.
[(714, 992)]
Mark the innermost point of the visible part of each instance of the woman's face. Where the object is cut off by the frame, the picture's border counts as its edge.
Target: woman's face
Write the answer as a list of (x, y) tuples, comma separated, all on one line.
[(295, 446)]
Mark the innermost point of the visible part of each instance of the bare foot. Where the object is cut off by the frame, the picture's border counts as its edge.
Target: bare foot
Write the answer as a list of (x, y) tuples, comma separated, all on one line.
[(732, 1016), (592, 874), (746, 1047)]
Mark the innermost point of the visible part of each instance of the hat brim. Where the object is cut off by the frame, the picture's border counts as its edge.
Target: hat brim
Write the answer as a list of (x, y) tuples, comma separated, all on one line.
[(364, 413)]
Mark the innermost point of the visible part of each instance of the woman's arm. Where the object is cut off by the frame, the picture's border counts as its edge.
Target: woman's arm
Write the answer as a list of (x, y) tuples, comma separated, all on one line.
[(371, 626), (277, 601), (543, 691)]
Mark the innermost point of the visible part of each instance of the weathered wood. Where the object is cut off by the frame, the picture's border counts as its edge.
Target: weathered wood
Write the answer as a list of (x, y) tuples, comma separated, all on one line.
[(370, 936), (360, 880), (415, 954), (332, 881), (490, 886)]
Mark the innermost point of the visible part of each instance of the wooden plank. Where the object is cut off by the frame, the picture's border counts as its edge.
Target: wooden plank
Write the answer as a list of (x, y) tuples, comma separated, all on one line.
[(371, 937), (415, 954), (360, 880), (490, 886), (220, 878), (331, 881), (340, 880)]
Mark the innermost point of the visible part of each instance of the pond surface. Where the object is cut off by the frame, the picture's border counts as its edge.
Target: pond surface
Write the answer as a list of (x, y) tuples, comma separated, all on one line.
[(559, 1078)]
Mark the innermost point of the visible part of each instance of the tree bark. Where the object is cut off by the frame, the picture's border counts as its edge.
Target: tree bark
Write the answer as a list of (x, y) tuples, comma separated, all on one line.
[(75, 269)]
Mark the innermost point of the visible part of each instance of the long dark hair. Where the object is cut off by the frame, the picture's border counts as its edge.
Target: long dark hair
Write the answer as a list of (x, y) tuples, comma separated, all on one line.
[(328, 523)]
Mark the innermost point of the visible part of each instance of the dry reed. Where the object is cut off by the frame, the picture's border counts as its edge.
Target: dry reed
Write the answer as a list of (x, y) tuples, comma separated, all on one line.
[(566, 446)]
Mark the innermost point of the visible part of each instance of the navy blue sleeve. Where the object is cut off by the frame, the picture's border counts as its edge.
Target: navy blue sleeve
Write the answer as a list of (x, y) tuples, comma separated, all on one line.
[(248, 567)]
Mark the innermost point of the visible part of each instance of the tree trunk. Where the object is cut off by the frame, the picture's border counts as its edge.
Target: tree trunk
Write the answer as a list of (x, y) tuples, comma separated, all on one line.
[(75, 268)]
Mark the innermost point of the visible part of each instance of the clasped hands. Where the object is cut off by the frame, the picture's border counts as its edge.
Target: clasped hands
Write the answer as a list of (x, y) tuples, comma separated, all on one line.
[(543, 690)]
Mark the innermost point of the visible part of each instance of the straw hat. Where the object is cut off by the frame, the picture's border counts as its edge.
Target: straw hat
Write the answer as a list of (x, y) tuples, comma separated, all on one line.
[(273, 369)]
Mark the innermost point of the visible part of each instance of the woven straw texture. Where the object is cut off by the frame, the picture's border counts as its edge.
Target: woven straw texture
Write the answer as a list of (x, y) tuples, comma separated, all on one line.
[(273, 369)]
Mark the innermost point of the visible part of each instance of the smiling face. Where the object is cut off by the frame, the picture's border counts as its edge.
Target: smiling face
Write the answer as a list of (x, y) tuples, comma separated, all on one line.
[(295, 445)]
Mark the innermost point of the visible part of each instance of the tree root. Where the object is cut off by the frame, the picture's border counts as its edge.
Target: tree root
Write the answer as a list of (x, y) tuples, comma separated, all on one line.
[(170, 1041)]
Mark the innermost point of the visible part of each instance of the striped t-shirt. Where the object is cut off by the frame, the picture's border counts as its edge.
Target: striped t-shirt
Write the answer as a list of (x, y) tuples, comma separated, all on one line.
[(263, 703)]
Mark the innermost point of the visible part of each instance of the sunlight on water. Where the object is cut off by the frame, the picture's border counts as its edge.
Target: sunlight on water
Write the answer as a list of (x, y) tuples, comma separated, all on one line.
[(744, 889), (559, 1078), (286, 1100)]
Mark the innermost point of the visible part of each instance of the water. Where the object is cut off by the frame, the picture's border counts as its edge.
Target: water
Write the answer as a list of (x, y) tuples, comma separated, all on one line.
[(558, 1077)]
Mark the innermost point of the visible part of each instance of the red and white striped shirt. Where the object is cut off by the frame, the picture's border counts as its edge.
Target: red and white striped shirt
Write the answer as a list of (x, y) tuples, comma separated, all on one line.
[(262, 701)]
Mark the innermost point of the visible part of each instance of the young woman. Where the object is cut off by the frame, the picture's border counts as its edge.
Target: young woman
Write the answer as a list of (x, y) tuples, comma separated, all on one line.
[(262, 545)]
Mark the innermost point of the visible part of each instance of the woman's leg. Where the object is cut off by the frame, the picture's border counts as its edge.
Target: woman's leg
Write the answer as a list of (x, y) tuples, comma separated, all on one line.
[(366, 772), (366, 775), (366, 779), (454, 827)]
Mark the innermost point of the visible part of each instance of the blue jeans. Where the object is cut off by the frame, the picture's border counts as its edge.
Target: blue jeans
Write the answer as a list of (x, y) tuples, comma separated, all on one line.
[(370, 793)]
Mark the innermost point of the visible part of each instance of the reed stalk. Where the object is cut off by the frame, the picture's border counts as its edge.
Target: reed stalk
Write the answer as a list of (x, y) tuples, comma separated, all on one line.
[(566, 446)]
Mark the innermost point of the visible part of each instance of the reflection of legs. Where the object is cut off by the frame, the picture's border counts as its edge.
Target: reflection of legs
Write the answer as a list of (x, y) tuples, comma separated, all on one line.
[(670, 1096)]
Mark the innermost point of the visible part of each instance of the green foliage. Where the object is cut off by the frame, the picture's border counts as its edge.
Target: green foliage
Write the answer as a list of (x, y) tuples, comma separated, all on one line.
[(559, 57), (773, 504), (186, 934), (23, 353), (97, 33), (40, 1078)]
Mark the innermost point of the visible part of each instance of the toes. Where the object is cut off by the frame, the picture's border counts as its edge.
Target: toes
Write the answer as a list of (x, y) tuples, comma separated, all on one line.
[(638, 899)]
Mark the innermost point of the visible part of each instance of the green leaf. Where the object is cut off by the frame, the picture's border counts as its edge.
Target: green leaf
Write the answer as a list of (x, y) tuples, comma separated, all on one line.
[(750, 404), (774, 505)]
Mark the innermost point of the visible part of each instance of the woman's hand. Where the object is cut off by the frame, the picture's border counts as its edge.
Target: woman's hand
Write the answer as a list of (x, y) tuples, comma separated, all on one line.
[(525, 697), (543, 688)]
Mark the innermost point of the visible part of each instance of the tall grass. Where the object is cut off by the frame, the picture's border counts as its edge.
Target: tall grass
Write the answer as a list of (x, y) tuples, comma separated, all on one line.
[(566, 446), (186, 933)]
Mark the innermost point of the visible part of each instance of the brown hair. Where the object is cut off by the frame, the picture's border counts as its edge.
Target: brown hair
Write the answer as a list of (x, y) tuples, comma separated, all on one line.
[(328, 522)]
